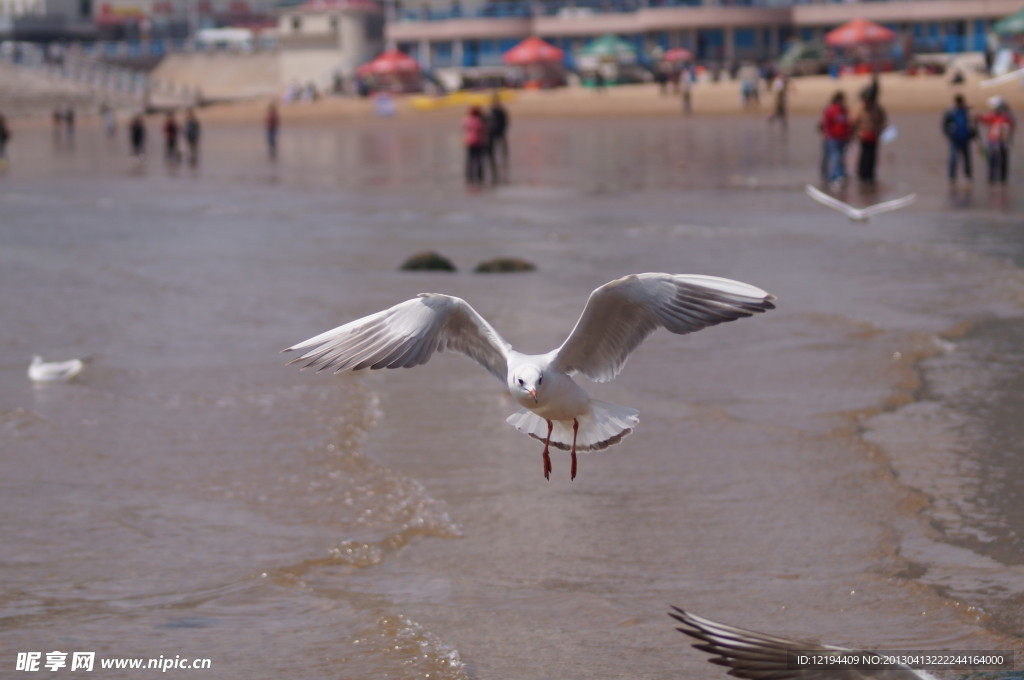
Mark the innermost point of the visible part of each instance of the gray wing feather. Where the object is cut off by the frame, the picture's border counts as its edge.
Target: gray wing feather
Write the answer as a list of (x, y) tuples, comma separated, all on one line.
[(621, 314), (894, 204), (407, 335), (758, 656)]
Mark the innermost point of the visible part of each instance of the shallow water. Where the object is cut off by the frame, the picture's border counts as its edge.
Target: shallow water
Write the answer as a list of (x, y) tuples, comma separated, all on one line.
[(845, 467)]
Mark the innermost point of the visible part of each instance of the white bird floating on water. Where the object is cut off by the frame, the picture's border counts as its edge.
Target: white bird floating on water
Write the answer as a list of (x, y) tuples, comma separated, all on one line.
[(53, 371), (858, 214), (617, 318), (758, 656)]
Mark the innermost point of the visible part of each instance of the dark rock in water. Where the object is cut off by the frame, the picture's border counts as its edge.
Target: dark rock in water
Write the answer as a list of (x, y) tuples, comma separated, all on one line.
[(430, 261), (504, 264)]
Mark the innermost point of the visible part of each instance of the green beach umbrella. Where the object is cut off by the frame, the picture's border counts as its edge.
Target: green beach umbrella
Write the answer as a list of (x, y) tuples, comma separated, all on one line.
[(802, 50), (1011, 25), (612, 47)]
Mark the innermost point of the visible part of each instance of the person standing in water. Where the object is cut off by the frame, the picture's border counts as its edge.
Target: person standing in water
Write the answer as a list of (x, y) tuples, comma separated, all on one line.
[(474, 134), (137, 135), (497, 127), (5, 136), (192, 137), (868, 124), (271, 123), (835, 125), (959, 128), (171, 153)]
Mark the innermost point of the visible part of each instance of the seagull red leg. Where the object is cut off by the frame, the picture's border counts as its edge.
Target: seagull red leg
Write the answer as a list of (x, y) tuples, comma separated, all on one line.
[(547, 456), (575, 429)]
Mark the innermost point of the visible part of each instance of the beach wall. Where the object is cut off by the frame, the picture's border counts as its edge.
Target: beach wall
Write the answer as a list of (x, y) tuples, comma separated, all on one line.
[(309, 65), (225, 75)]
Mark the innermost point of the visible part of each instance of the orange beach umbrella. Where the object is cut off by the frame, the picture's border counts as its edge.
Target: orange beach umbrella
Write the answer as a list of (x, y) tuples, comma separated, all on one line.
[(390, 63), (859, 32), (533, 50)]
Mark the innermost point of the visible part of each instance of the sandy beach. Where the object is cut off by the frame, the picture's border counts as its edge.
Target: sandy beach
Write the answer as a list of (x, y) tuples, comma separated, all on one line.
[(808, 95), (900, 94)]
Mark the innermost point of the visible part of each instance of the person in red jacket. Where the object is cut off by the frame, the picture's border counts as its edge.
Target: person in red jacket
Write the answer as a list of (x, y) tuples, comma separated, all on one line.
[(836, 126), (474, 134), (1000, 126)]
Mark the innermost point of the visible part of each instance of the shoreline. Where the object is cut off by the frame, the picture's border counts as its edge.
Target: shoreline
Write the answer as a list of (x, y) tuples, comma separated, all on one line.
[(808, 95)]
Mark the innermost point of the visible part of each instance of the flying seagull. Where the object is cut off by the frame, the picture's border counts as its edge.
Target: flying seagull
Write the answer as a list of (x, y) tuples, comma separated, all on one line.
[(53, 371), (617, 318), (858, 214), (759, 656)]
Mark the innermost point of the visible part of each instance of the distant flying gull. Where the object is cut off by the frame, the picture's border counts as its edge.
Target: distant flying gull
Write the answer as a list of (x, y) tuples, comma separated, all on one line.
[(53, 371), (617, 318), (858, 214), (758, 656)]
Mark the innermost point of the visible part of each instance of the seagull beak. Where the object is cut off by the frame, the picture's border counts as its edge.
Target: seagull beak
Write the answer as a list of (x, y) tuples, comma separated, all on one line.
[(533, 393)]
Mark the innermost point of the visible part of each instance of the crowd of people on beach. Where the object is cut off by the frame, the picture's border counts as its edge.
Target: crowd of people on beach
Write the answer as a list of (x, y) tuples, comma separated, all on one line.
[(870, 126), (485, 138), (189, 130), (961, 127)]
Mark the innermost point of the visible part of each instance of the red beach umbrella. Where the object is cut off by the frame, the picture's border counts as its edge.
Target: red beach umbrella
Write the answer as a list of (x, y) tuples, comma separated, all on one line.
[(859, 32), (533, 50), (677, 54), (390, 63)]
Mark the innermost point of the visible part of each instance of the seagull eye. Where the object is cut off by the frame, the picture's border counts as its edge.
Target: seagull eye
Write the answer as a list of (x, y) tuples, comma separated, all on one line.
[(520, 381), (540, 380)]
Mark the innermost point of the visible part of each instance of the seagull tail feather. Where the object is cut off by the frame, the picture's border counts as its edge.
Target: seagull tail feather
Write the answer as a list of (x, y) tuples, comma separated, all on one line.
[(605, 425)]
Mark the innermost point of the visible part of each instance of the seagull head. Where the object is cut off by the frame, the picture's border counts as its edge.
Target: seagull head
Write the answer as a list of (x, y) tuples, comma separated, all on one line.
[(527, 379)]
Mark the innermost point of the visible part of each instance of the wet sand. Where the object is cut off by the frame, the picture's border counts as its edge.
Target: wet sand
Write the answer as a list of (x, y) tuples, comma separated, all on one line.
[(804, 472)]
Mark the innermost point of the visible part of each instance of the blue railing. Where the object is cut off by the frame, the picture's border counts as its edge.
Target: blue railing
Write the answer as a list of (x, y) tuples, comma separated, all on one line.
[(525, 8), (146, 48)]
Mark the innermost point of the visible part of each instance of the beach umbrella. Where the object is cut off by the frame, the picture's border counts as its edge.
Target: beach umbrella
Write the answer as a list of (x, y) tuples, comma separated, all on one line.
[(1011, 25), (859, 32), (610, 48), (677, 54), (391, 62), (533, 50)]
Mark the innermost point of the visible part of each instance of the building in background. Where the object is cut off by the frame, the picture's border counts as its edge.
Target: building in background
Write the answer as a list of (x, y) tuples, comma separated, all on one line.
[(320, 38), (476, 33)]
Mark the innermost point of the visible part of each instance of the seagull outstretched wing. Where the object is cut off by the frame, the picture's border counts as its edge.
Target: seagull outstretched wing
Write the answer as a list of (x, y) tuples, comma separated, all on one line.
[(886, 206), (622, 313), (407, 335)]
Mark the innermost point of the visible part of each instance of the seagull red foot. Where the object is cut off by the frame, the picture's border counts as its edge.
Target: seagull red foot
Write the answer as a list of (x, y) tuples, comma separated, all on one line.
[(575, 430), (547, 456)]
